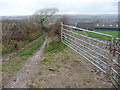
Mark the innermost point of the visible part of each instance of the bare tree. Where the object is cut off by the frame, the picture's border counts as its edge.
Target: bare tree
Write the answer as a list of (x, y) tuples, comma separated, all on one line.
[(42, 14), (64, 19)]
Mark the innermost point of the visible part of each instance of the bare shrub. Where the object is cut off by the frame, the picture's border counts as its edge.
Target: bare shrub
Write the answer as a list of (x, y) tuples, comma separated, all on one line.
[(15, 31)]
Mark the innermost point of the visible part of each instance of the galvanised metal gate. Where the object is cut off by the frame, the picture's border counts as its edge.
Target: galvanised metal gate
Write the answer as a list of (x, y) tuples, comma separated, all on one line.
[(98, 52)]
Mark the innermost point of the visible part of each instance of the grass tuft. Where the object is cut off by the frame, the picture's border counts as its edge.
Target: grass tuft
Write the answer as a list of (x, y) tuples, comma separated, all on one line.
[(46, 61), (55, 47)]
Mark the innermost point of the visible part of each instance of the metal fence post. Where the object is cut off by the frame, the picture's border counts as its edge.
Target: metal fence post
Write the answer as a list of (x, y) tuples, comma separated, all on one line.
[(61, 30), (119, 69), (117, 46)]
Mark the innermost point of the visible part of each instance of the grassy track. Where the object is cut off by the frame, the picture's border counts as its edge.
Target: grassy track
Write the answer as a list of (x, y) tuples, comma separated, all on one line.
[(29, 50), (114, 33), (15, 62)]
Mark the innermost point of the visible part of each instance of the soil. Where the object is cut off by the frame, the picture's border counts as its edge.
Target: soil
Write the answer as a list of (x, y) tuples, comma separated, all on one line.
[(65, 69)]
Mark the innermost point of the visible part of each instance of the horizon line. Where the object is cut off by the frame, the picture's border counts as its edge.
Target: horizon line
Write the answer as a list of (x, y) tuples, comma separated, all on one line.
[(63, 14)]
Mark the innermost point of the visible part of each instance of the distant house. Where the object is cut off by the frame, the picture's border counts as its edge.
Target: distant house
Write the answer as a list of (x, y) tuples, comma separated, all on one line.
[(106, 26), (98, 25)]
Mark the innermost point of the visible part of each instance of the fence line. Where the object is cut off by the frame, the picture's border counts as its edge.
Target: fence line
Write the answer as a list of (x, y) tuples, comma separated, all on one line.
[(100, 53)]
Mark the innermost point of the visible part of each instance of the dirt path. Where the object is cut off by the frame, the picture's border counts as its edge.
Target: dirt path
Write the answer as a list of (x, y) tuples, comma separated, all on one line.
[(27, 70), (65, 69)]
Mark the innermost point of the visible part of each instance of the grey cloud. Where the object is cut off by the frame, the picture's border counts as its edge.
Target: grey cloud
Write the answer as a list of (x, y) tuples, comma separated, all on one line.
[(78, 6)]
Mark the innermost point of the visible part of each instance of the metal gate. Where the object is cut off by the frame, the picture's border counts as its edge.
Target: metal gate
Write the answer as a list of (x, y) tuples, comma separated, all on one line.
[(98, 52)]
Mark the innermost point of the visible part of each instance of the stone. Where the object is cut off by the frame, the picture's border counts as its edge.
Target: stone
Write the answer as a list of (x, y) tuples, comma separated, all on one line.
[(52, 69)]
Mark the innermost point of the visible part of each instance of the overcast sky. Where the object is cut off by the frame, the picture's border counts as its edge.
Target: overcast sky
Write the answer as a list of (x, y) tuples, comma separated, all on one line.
[(28, 7)]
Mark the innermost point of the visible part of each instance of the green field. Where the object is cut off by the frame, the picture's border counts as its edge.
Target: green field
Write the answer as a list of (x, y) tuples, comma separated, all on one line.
[(114, 33)]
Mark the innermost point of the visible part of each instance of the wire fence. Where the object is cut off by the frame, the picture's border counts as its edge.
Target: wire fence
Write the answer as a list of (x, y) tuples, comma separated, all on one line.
[(100, 53)]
